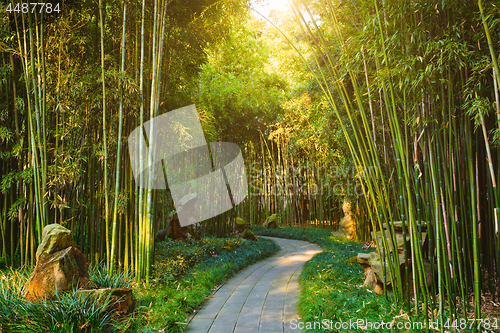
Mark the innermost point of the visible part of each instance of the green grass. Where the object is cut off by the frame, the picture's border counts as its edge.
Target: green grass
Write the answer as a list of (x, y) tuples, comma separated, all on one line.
[(331, 288), (99, 278), (185, 275), (65, 314)]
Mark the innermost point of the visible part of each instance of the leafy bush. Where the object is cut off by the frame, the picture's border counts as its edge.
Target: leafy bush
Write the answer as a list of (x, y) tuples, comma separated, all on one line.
[(174, 259)]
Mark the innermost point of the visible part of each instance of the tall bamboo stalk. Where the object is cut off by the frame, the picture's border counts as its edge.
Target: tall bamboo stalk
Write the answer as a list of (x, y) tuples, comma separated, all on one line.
[(140, 206), (118, 150), (427, 156), (105, 144)]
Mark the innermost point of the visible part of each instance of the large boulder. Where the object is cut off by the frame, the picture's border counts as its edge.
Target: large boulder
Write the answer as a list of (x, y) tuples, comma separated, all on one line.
[(162, 234), (61, 271), (55, 238), (248, 234), (401, 241), (398, 226), (396, 244), (242, 230), (366, 259)]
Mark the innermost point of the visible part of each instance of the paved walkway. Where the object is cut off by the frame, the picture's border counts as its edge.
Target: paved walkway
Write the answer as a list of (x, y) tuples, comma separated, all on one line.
[(261, 298)]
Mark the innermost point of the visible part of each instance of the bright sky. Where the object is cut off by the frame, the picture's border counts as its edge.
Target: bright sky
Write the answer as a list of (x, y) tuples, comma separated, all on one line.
[(265, 6)]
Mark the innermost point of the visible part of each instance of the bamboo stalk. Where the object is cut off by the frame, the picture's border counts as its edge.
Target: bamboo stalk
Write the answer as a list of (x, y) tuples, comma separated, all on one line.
[(105, 144), (139, 224), (118, 152)]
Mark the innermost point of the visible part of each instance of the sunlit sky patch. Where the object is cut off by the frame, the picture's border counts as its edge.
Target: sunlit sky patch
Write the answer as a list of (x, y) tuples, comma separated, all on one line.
[(266, 6)]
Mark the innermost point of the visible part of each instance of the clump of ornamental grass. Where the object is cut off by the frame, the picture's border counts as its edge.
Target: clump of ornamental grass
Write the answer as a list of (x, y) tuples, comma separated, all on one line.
[(100, 277), (68, 312)]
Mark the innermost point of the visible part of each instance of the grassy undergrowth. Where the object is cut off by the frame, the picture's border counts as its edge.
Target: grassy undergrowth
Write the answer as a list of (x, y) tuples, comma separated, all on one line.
[(185, 275), (65, 314), (332, 289)]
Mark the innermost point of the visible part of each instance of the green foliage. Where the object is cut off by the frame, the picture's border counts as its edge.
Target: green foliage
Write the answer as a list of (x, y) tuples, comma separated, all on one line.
[(310, 235), (12, 281), (333, 289), (185, 275), (175, 258), (399, 76), (239, 86), (12, 177), (55, 157)]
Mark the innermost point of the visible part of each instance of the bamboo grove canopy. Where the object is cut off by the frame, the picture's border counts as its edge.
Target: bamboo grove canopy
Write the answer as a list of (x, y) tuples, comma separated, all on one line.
[(405, 91)]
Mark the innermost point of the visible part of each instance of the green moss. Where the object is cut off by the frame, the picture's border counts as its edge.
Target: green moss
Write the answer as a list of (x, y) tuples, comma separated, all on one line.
[(248, 234), (240, 224), (269, 219)]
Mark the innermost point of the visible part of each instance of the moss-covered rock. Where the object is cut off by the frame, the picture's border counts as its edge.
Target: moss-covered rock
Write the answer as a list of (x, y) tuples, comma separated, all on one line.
[(270, 222), (120, 299), (240, 224), (248, 234), (55, 238)]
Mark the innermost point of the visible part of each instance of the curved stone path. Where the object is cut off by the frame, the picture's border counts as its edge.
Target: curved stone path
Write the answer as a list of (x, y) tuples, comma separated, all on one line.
[(261, 298)]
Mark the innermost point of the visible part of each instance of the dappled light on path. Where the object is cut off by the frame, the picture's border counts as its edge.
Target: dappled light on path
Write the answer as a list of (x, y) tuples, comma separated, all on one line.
[(261, 298)]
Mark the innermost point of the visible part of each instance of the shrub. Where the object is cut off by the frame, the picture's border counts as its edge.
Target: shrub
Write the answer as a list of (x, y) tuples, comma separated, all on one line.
[(174, 258)]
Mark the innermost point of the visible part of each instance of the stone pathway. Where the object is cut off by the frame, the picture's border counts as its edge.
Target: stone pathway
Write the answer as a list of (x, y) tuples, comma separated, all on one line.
[(261, 298)]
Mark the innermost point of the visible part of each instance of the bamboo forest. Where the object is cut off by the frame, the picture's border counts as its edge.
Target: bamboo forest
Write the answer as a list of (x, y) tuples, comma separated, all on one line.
[(368, 137)]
